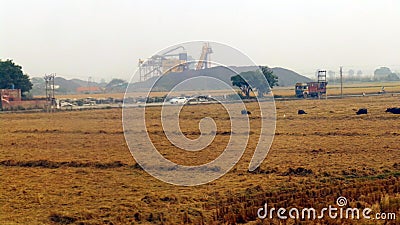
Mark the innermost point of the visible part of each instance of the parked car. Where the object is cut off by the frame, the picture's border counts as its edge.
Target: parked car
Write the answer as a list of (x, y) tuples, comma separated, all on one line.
[(178, 100)]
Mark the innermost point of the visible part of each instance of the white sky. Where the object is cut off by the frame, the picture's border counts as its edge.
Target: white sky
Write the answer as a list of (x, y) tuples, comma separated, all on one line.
[(104, 39)]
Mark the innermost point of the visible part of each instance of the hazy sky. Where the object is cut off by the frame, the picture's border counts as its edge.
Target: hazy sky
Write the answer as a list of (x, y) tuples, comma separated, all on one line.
[(104, 39)]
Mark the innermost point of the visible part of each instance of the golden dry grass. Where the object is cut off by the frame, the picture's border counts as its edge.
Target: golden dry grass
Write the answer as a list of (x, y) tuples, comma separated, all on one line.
[(75, 167)]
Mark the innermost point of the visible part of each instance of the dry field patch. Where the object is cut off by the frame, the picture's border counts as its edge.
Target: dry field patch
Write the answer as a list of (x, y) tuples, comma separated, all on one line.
[(75, 167)]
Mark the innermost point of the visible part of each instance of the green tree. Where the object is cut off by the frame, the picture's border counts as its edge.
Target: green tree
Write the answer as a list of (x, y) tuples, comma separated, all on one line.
[(270, 76), (382, 73), (244, 86), (261, 80), (11, 75)]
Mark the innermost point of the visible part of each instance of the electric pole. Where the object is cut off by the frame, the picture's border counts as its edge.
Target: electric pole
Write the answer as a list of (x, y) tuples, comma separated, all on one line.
[(46, 81), (341, 81), (88, 84), (50, 90), (53, 77)]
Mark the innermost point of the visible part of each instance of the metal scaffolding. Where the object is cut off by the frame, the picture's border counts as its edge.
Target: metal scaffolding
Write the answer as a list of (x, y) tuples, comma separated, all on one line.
[(158, 65), (168, 61)]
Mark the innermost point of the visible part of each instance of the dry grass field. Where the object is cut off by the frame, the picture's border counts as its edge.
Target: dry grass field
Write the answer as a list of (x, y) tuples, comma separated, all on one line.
[(75, 167)]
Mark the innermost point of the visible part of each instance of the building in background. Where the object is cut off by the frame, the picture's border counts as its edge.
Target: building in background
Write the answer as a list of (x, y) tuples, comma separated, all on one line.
[(11, 99), (8, 95)]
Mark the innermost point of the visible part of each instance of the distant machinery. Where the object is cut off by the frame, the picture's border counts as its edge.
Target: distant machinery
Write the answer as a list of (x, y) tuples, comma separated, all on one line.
[(165, 63), (204, 61), (158, 65)]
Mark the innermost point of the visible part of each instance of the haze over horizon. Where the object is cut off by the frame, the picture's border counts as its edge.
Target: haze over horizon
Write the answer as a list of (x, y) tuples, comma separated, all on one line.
[(105, 39)]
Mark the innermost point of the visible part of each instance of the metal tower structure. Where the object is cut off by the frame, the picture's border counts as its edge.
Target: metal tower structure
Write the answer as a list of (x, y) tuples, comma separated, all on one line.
[(158, 65), (50, 91), (322, 83), (204, 61), (321, 76)]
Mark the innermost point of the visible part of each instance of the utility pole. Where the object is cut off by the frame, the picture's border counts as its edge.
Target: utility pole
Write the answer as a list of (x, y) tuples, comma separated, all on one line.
[(88, 84), (50, 90), (53, 97), (53, 77), (341, 81), (46, 83)]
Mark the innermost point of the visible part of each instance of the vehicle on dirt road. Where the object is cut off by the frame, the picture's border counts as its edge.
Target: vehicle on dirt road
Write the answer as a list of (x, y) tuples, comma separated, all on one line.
[(178, 100), (312, 89)]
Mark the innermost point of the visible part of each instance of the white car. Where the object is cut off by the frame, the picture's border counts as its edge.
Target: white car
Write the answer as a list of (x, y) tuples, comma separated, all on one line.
[(178, 100)]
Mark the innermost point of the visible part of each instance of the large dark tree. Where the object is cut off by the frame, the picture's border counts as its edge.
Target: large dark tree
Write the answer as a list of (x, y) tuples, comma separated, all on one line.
[(11, 75), (270, 76), (244, 86), (255, 81)]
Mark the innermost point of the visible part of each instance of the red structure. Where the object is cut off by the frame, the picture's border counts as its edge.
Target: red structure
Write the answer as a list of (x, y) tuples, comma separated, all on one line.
[(8, 95), (11, 100)]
